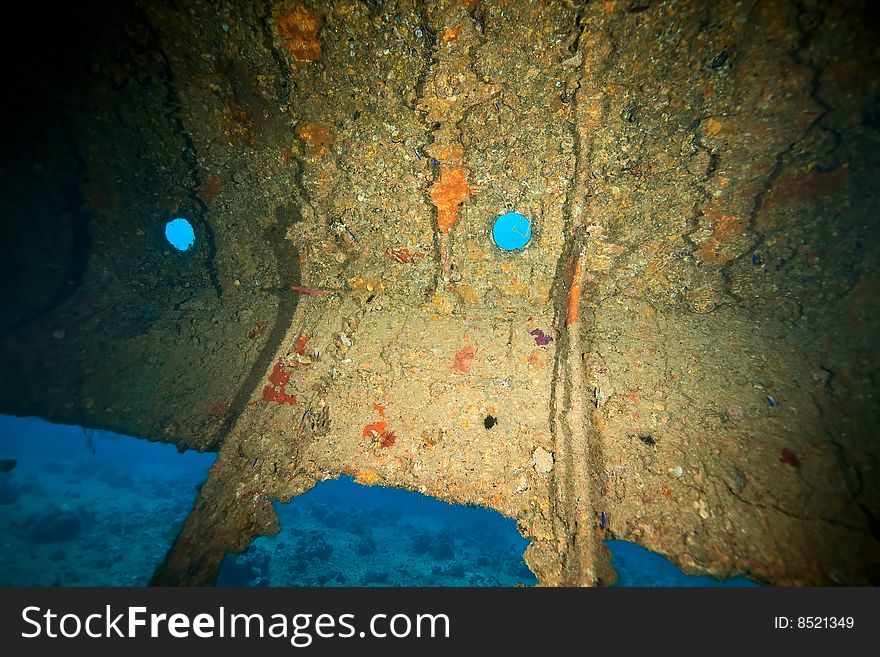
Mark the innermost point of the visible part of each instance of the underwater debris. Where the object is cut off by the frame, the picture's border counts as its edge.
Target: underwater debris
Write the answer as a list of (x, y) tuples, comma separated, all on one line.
[(490, 421), (404, 255), (542, 460), (308, 290)]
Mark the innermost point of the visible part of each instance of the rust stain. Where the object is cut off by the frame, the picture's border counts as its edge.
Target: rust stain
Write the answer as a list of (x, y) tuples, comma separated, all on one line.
[(210, 189), (319, 138), (574, 292), (717, 250), (806, 188)]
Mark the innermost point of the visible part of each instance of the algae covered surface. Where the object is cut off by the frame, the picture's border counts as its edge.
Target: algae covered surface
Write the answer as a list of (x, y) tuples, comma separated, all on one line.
[(682, 356)]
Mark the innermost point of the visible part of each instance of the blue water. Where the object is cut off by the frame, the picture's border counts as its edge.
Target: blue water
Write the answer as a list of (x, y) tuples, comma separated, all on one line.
[(343, 534), (637, 566), (100, 509), (89, 509)]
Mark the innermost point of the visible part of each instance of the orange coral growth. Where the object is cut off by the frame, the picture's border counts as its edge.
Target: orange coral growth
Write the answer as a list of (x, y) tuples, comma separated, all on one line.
[(452, 154), (450, 33), (367, 477), (379, 427), (448, 193), (318, 137), (380, 435), (301, 344), (378, 431), (298, 31), (463, 360)]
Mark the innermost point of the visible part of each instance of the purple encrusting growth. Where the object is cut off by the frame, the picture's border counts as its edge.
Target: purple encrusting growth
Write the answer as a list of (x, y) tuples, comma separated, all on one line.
[(541, 338)]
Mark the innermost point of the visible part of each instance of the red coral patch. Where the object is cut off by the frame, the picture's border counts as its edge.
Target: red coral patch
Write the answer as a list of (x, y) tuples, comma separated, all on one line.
[(275, 392)]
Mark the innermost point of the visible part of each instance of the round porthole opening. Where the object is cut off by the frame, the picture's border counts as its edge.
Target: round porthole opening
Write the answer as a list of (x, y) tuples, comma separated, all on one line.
[(512, 231), (180, 234)]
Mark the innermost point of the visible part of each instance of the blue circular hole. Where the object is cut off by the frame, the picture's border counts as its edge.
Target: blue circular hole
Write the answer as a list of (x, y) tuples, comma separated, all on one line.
[(180, 233), (512, 231)]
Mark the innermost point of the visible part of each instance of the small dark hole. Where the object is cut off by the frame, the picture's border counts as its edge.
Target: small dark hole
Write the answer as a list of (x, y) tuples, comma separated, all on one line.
[(719, 60), (490, 422)]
